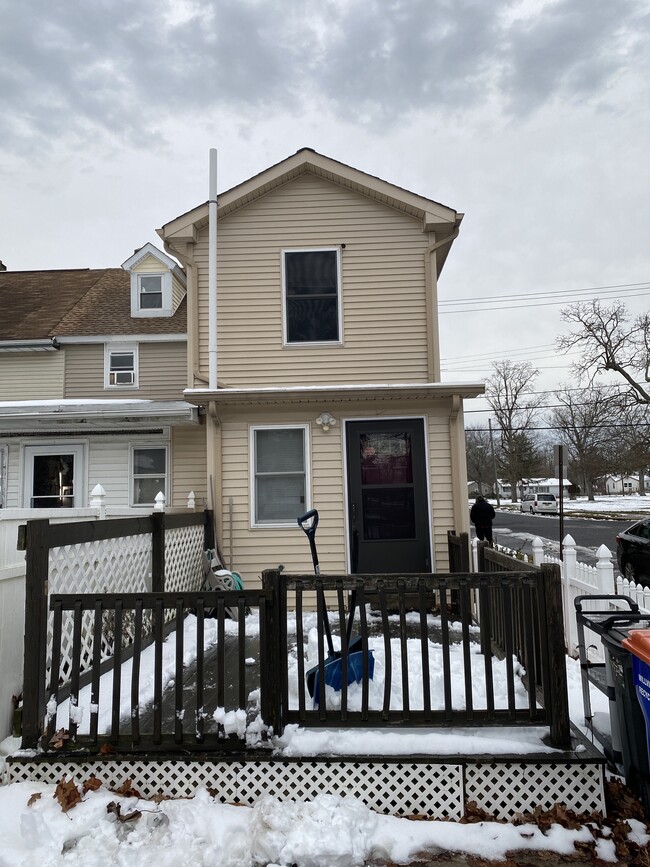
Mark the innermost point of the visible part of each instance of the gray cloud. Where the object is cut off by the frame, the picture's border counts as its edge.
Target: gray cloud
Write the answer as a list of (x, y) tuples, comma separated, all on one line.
[(116, 68)]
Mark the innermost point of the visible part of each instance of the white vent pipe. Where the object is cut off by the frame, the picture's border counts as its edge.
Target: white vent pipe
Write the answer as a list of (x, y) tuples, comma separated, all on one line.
[(212, 273)]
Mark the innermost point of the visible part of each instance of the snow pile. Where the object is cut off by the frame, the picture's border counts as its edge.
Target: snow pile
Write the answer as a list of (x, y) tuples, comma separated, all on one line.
[(107, 828)]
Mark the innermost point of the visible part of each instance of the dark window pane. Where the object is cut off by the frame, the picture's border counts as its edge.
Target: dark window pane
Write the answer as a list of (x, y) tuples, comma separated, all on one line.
[(149, 462), (311, 273), (388, 513), (386, 458), (145, 490), (150, 300), (121, 361), (312, 319)]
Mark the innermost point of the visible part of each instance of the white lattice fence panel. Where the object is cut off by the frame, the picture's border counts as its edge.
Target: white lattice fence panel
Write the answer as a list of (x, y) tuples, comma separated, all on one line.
[(184, 559), (104, 566), (504, 789), (400, 788)]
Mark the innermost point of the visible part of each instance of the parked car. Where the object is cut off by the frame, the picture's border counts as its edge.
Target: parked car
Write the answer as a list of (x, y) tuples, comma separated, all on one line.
[(543, 504), (633, 552)]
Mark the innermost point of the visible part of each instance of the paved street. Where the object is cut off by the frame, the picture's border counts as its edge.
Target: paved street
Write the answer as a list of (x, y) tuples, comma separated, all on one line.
[(516, 530)]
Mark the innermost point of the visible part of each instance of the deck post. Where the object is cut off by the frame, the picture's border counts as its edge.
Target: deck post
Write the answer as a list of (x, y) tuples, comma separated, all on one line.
[(36, 595), (208, 530), (158, 552), (273, 650), (556, 653)]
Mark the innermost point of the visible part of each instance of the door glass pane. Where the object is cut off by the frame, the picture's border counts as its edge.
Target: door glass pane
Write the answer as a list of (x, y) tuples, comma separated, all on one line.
[(53, 482), (386, 458), (388, 513)]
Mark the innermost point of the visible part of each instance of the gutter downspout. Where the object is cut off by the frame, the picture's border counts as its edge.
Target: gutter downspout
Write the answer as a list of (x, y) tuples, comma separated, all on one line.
[(431, 283), (458, 465), (212, 273)]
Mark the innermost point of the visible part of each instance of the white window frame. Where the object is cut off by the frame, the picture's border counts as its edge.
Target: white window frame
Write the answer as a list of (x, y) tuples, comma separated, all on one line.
[(118, 349), (77, 449), (252, 472), (339, 297), (138, 446), (166, 286)]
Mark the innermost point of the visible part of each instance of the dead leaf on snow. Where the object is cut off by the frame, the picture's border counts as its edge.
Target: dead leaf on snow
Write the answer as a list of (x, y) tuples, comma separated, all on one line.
[(91, 784), (127, 790), (35, 797), (67, 794)]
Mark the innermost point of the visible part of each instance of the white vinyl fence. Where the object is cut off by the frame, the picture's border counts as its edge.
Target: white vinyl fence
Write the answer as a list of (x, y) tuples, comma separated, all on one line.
[(580, 579)]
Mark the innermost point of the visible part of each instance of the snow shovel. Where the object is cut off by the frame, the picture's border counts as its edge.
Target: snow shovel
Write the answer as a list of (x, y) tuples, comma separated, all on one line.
[(333, 665)]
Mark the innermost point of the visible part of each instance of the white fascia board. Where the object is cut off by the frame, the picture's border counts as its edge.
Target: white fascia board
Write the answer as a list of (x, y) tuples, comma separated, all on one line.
[(433, 387), (150, 250), (72, 408), (41, 344), (124, 338)]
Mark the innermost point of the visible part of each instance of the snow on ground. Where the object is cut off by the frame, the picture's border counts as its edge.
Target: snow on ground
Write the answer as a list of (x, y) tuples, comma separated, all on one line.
[(602, 505), (328, 831)]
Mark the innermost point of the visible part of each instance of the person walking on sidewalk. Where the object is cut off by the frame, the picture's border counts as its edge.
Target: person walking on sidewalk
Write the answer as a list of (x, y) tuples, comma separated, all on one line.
[(481, 515)]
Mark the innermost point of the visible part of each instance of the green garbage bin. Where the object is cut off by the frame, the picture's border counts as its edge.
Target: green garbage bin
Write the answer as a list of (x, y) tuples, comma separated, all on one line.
[(631, 721)]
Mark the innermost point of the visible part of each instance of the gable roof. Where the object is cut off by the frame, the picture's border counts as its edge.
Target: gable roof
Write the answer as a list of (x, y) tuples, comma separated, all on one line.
[(75, 302), (433, 215)]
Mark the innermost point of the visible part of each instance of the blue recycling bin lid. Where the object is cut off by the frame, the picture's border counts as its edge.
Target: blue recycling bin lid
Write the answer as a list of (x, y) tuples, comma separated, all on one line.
[(638, 643)]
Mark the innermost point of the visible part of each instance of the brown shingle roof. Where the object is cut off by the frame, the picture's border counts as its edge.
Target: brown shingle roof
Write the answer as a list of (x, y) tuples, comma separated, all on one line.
[(38, 304)]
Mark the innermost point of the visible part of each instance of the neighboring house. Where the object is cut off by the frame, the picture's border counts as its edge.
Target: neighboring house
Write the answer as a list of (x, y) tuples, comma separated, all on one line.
[(474, 489), (321, 380), (93, 364), (503, 488), (546, 486), (620, 484)]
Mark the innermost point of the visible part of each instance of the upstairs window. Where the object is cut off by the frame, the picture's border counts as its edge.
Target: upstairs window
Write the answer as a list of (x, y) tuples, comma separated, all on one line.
[(120, 366), (312, 295), (150, 288)]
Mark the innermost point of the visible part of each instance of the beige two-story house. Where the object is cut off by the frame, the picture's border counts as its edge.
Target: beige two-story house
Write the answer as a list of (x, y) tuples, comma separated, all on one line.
[(314, 352), (93, 364)]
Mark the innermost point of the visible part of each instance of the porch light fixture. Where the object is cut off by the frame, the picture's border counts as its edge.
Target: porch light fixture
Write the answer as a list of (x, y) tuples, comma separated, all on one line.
[(325, 420)]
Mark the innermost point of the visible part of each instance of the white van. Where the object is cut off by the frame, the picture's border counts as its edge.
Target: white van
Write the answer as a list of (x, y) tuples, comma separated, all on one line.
[(543, 504)]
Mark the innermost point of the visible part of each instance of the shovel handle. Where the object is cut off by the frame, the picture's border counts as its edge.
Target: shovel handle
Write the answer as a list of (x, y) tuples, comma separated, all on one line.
[(308, 522)]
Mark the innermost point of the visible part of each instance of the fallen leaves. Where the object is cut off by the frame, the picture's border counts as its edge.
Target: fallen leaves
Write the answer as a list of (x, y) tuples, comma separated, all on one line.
[(59, 739), (67, 794), (116, 810)]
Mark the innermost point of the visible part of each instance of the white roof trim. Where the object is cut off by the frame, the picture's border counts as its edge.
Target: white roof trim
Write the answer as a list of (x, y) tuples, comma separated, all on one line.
[(124, 338), (163, 258), (52, 412)]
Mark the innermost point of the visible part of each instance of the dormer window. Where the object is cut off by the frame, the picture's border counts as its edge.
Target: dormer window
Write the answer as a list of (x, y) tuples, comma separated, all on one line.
[(150, 289), (158, 284)]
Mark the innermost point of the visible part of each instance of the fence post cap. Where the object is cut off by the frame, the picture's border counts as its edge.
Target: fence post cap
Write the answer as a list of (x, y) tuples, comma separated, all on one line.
[(160, 501), (569, 541), (603, 553), (98, 491)]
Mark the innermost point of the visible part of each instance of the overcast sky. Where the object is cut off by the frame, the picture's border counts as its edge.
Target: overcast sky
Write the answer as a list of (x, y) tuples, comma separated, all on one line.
[(531, 117)]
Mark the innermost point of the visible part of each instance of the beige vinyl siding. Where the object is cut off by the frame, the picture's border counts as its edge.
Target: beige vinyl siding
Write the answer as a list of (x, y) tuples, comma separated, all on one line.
[(189, 464), (162, 372), (250, 550), (150, 265), (31, 376), (178, 292), (383, 288), (108, 465)]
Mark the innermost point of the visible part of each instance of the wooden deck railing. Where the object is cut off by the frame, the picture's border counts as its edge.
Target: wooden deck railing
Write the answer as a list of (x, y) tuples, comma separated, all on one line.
[(508, 629)]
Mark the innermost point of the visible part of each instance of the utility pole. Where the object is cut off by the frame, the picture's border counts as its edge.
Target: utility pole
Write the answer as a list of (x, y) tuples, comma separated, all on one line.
[(494, 464)]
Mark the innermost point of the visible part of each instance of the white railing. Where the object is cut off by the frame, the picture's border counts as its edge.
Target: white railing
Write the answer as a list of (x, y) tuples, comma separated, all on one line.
[(580, 579)]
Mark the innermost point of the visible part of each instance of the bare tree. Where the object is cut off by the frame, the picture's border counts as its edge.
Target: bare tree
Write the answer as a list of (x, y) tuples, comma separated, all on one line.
[(609, 340), (508, 391), (583, 419), (479, 462)]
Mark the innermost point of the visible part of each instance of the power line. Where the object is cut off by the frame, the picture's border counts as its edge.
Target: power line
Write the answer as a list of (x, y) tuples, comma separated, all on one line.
[(511, 306), (549, 293)]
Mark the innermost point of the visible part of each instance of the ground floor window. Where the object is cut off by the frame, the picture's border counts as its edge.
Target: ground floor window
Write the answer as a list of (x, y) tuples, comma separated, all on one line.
[(148, 474), (279, 475), (53, 477)]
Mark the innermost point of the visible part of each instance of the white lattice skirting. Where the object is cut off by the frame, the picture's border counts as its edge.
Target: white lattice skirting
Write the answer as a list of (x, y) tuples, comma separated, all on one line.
[(439, 790)]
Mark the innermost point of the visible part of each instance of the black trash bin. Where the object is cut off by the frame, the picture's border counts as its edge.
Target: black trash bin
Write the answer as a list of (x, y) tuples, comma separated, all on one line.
[(631, 722), (626, 717)]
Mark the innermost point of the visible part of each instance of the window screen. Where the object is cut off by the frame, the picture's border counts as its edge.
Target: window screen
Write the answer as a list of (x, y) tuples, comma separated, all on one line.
[(279, 467)]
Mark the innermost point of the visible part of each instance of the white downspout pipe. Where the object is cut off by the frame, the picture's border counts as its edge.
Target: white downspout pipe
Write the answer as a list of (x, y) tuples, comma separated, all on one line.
[(212, 273)]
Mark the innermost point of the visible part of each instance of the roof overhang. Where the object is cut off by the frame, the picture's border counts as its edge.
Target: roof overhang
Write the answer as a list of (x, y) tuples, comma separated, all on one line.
[(92, 414), (318, 394), (45, 344), (433, 216)]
